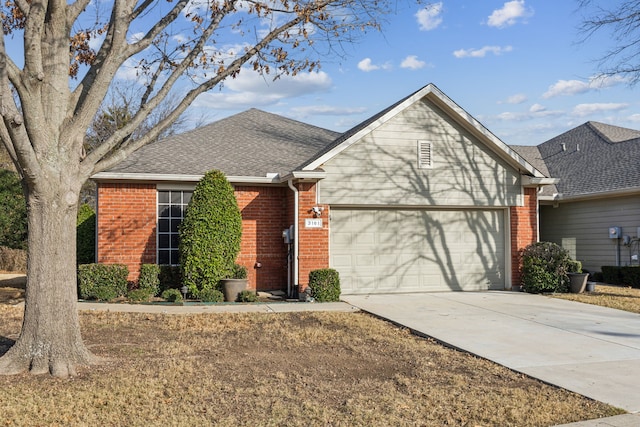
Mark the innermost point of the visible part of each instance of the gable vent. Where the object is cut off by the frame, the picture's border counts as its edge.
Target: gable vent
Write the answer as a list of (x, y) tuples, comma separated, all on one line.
[(425, 158)]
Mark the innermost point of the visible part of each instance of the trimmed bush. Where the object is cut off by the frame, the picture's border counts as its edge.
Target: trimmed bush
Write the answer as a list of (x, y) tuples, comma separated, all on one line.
[(622, 276), (210, 233), (102, 282), (239, 272), (172, 295), (325, 285), (86, 235), (545, 266), (247, 296), (13, 214), (211, 295), (140, 295), (149, 278), (170, 277)]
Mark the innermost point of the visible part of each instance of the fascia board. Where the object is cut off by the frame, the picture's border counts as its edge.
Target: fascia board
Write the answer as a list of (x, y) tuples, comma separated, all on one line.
[(596, 195), (152, 177), (530, 181)]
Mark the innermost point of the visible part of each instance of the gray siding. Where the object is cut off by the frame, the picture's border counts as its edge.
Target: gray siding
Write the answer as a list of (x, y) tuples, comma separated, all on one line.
[(582, 228), (382, 168)]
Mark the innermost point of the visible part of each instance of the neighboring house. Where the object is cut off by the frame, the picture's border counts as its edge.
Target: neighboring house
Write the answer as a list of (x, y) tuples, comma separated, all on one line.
[(599, 170), (420, 197)]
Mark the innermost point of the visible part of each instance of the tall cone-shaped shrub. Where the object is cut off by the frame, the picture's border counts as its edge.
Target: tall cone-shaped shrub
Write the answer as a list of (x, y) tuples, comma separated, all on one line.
[(210, 233)]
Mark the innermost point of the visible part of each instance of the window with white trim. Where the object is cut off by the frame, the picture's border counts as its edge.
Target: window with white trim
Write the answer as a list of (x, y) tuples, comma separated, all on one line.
[(425, 155), (172, 205)]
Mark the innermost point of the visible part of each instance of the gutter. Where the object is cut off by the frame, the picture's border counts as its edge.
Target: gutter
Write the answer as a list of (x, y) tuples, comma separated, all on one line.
[(296, 245), (155, 177), (559, 197)]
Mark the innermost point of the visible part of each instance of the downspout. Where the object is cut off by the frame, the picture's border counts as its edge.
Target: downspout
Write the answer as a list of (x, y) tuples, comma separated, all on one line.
[(296, 216)]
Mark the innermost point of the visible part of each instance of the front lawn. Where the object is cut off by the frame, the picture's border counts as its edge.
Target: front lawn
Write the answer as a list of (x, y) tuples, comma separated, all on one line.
[(308, 369), (621, 298)]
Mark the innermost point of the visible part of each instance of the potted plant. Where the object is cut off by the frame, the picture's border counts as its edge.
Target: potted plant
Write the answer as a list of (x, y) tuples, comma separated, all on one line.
[(577, 279), (235, 284)]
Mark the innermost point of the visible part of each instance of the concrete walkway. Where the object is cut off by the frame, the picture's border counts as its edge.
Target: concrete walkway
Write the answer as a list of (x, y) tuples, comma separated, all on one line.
[(591, 350)]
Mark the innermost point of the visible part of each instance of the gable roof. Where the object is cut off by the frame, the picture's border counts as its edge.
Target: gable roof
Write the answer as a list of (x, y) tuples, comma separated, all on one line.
[(253, 143), (593, 158), (452, 109), (257, 146)]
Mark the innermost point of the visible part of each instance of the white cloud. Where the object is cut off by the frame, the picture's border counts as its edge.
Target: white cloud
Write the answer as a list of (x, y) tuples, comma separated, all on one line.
[(575, 87), (634, 118), (482, 52), (325, 110), (537, 108), (518, 98), (430, 17), (582, 110), (412, 62), (367, 65), (250, 89), (511, 12)]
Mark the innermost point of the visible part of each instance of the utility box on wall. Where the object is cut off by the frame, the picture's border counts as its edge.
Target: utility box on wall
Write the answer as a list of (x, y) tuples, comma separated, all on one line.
[(614, 232)]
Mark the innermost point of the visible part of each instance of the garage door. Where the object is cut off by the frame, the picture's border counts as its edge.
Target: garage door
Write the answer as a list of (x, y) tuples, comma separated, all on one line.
[(391, 250)]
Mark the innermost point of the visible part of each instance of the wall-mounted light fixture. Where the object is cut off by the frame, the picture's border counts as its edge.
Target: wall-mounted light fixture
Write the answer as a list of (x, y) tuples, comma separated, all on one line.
[(317, 211)]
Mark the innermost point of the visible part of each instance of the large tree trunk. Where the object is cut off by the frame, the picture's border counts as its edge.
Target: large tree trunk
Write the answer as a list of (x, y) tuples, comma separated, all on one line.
[(50, 339)]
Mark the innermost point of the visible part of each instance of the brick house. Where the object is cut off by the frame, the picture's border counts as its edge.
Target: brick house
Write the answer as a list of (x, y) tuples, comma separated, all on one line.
[(419, 197)]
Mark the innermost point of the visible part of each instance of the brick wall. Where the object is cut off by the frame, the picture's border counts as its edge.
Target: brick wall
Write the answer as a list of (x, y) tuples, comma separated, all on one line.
[(127, 225), (263, 252), (313, 242), (524, 230)]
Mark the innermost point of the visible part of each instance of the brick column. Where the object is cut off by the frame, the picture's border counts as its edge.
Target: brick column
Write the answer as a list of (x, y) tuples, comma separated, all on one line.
[(127, 225), (313, 243), (524, 230)]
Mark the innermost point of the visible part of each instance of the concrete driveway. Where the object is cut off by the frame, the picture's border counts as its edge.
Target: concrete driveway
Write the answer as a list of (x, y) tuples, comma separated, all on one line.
[(587, 349)]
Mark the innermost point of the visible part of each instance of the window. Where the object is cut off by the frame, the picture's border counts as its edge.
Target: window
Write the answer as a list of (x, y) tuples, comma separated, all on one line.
[(425, 158), (171, 209)]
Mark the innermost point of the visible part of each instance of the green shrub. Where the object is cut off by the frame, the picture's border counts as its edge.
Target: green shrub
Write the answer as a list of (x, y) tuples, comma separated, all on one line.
[(86, 235), (170, 277), (140, 295), (102, 282), (172, 295), (612, 275), (13, 211), (247, 296), (622, 276), (545, 266), (150, 278), (325, 285), (210, 233), (211, 295), (239, 272)]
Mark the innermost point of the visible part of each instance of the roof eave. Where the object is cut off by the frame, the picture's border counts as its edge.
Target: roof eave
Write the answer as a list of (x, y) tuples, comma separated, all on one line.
[(530, 181), (154, 177), (590, 196)]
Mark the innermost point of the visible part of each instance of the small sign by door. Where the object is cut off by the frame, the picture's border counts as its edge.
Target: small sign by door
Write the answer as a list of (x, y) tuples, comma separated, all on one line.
[(313, 223)]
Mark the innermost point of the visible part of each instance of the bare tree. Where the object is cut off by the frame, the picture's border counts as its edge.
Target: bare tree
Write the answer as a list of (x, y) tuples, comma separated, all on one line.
[(70, 54), (622, 21)]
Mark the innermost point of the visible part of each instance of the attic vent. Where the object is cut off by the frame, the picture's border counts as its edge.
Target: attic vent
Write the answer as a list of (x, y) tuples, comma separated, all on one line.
[(425, 158)]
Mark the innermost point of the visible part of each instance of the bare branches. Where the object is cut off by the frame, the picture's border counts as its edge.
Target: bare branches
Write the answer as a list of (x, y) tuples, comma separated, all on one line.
[(622, 22)]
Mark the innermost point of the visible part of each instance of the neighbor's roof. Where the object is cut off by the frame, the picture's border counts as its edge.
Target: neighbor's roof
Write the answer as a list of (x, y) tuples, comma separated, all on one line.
[(253, 143), (593, 158)]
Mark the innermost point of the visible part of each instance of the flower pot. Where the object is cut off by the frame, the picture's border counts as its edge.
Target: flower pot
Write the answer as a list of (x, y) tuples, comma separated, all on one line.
[(232, 287), (591, 286), (578, 282)]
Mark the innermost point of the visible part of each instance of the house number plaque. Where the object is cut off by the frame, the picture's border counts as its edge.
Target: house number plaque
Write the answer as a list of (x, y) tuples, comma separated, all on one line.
[(313, 223)]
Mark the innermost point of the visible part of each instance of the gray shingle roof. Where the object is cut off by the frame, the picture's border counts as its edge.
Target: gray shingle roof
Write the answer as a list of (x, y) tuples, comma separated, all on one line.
[(592, 158), (532, 155), (252, 143)]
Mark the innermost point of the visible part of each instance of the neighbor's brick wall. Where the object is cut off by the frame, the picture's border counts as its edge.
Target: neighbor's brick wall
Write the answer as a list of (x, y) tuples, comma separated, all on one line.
[(524, 230), (127, 225), (314, 242), (264, 216)]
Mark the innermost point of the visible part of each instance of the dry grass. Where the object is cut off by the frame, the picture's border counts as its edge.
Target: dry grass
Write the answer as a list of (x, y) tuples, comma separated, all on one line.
[(329, 369), (13, 259), (627, 299)]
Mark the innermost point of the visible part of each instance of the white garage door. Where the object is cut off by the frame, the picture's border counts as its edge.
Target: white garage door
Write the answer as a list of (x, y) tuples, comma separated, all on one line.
[(391, 250)]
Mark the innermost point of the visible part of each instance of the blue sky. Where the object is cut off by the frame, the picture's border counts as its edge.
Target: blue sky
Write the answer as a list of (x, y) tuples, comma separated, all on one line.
[(517, 66)]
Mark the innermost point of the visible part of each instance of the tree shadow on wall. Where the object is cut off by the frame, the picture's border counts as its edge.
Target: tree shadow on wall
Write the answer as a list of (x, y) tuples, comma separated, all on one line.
[(452, 234)]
